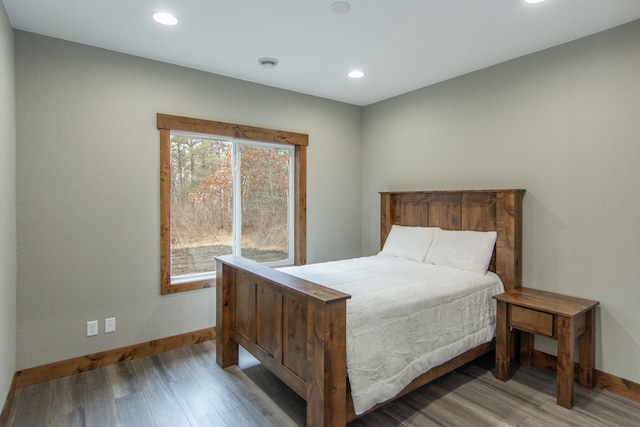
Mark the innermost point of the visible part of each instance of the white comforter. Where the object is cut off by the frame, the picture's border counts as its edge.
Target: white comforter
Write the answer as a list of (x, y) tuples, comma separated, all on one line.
[(404, 318)]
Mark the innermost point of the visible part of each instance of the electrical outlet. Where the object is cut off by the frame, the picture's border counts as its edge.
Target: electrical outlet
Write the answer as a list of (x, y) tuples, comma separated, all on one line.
[(109, 325), (92, 328)]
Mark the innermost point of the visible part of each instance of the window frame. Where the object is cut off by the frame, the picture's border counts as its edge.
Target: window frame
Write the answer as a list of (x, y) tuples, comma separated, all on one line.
[(167, 123)]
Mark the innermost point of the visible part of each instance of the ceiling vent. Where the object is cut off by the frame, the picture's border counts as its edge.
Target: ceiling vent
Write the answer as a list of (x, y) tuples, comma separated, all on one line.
[(268, 62)]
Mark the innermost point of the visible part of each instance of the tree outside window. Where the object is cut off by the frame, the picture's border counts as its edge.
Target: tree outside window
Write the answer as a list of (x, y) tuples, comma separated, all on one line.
[(227, 195), (203, 203)]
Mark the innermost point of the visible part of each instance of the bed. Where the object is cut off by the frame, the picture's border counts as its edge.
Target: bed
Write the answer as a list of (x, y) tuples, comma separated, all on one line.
[(298, 328)]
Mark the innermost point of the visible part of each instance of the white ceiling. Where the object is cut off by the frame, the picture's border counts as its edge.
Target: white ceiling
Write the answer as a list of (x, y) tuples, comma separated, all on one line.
[(401, 45)]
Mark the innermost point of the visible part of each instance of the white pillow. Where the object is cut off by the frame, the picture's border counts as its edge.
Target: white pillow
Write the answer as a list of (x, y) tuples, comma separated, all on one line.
[(464, 250), (409, 242)]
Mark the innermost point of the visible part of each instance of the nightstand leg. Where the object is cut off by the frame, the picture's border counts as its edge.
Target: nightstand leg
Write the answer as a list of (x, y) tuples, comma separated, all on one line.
[(526, 349), (504, 343), (587, 351), (566, 346)]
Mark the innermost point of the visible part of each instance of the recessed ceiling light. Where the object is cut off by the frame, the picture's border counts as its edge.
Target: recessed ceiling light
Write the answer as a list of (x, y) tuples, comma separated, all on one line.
[(340, 7), (533, 1), (268, 62), (356, 74), (165, 18)]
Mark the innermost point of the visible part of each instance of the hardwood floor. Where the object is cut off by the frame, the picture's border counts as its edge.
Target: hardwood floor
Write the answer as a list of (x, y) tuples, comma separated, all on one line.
[(185, 387)]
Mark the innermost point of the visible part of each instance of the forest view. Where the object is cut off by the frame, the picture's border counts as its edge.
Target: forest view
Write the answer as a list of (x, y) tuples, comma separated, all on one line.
[(202, 202)]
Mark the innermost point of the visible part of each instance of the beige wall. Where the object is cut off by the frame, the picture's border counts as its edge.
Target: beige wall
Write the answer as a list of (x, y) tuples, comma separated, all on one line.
[(88, 189), (564, 124), (560, 123), (7, 208)]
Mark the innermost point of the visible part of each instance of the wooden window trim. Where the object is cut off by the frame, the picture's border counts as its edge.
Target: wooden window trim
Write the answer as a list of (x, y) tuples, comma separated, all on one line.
[(167, 123)]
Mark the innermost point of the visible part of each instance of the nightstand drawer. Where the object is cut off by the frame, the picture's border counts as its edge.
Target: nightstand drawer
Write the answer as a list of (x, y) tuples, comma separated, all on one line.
[(532, 320)]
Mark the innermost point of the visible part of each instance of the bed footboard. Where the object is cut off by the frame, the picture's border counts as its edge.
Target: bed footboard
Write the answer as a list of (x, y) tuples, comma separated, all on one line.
[(295, 328)]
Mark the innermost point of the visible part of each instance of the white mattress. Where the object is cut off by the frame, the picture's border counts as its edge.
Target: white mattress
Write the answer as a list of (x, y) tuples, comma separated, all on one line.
[(404, 318)]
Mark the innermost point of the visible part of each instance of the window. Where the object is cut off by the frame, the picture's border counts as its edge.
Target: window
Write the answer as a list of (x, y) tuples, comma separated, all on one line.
[(228, 189)]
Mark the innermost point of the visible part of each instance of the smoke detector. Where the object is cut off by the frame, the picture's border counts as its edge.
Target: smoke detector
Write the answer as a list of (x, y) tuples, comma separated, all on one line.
[(340, 7), (268, 62)]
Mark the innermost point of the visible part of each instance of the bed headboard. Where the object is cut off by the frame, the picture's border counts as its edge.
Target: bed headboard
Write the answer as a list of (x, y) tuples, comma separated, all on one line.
[(478, 210)]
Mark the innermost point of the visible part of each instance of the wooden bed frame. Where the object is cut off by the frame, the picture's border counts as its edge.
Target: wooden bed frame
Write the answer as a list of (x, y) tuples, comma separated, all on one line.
[(297, 329)]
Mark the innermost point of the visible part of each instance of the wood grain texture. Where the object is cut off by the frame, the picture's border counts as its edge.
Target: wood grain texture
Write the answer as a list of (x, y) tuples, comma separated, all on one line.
[(67, 401), (294, 327), (326, 364), (269, 313), (98, 401), (226, 347), (300, 225), (185, 387), (477, 210), (566, 349), (554, 315), (231, 130), (549, 302), (508, 259), (252, 394), (134, 411), (532, 321), (588, 350), (90, 362), (165, 211), (247, 282), (4, 415), (526, 349), (294, 356), (606, 381), (504, 343)]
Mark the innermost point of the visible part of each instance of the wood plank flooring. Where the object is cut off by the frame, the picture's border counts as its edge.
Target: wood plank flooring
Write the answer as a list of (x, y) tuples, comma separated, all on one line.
[(185, 387)]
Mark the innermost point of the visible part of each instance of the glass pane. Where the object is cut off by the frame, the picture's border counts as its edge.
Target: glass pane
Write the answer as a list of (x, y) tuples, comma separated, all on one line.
[(265, 199), (201, 203)]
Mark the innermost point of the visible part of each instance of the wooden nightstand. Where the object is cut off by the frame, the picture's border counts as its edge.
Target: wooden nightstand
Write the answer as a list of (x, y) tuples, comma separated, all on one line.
[(562, 317)]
